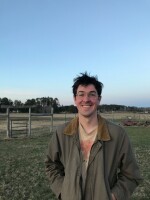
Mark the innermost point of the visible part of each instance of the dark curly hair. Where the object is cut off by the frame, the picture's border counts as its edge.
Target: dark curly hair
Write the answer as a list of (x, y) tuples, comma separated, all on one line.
[(85, 79)]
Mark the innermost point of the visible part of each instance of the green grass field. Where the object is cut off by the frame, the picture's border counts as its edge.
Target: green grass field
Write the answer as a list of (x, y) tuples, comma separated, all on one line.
[(22, 169)]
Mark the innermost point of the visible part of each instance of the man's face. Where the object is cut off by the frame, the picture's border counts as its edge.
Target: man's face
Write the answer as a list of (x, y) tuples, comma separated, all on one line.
[(87, 100)]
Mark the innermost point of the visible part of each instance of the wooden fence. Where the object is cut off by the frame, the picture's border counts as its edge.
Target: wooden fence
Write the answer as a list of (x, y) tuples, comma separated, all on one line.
[(22, 123)]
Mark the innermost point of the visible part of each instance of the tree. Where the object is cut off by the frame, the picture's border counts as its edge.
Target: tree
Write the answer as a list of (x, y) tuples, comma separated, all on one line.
[(6, 101), (56, 105), (30, 102), (17, 103)]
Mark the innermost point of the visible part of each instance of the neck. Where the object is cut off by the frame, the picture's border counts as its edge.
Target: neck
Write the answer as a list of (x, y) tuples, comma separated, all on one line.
[(88, 123)]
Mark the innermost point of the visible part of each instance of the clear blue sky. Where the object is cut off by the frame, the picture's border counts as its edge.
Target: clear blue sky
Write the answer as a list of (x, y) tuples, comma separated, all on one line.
[(44, 44)]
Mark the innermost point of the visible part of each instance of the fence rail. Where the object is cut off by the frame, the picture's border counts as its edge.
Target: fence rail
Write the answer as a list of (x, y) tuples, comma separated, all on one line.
[(46, 122), (28, 120)]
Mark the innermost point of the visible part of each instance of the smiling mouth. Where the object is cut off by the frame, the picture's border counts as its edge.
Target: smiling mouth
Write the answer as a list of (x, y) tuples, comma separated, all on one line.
[(86, 106)]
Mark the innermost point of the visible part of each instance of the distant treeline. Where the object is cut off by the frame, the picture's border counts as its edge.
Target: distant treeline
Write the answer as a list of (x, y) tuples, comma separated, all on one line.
[(45, 104)]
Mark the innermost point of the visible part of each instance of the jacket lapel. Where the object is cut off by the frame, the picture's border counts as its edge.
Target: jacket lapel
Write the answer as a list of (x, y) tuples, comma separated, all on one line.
[(95, 149), (102, 135)]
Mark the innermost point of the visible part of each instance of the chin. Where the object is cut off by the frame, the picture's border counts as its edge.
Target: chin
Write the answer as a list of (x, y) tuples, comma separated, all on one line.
[(88, 114)]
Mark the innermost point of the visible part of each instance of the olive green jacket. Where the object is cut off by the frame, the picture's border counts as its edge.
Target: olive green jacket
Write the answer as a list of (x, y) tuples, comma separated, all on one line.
[(112, 167)]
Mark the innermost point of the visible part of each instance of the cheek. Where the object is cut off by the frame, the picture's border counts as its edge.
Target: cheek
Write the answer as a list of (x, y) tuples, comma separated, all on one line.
[(76, 101), (97, 103)]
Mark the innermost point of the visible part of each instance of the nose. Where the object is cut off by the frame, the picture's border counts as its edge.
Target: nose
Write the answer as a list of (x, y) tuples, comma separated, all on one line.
[(86, 97)]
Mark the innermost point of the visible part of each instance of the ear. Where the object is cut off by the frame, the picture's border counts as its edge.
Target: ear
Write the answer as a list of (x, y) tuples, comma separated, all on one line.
[(74, 98), (99, 98)]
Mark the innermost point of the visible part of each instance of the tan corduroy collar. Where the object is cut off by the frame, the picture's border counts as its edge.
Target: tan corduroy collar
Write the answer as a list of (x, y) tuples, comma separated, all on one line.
[(103, 133)]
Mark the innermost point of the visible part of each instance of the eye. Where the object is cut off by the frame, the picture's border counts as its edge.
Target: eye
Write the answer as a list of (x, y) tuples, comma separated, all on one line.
[(93, 95), (80, 94)]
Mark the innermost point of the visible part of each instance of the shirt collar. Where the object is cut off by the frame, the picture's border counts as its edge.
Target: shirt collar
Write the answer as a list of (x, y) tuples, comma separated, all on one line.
[(102, 133)]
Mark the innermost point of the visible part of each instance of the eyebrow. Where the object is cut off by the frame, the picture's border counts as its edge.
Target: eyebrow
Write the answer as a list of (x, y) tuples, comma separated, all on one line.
[(89, 92)]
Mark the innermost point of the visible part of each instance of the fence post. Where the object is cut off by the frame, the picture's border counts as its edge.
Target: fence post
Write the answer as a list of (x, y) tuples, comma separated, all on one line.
[(8, 123), (52, 110), (65, 117), (11, 128), (29, 131)]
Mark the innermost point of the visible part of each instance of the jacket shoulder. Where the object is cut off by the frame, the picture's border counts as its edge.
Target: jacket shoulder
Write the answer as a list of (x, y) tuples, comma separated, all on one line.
[(115, 130)]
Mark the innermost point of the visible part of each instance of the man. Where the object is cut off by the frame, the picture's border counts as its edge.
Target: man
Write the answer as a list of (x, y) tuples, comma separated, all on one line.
[(90, 158)]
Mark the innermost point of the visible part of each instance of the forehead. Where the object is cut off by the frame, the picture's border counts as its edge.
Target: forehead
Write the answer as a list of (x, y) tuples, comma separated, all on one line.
[(87, 88)]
